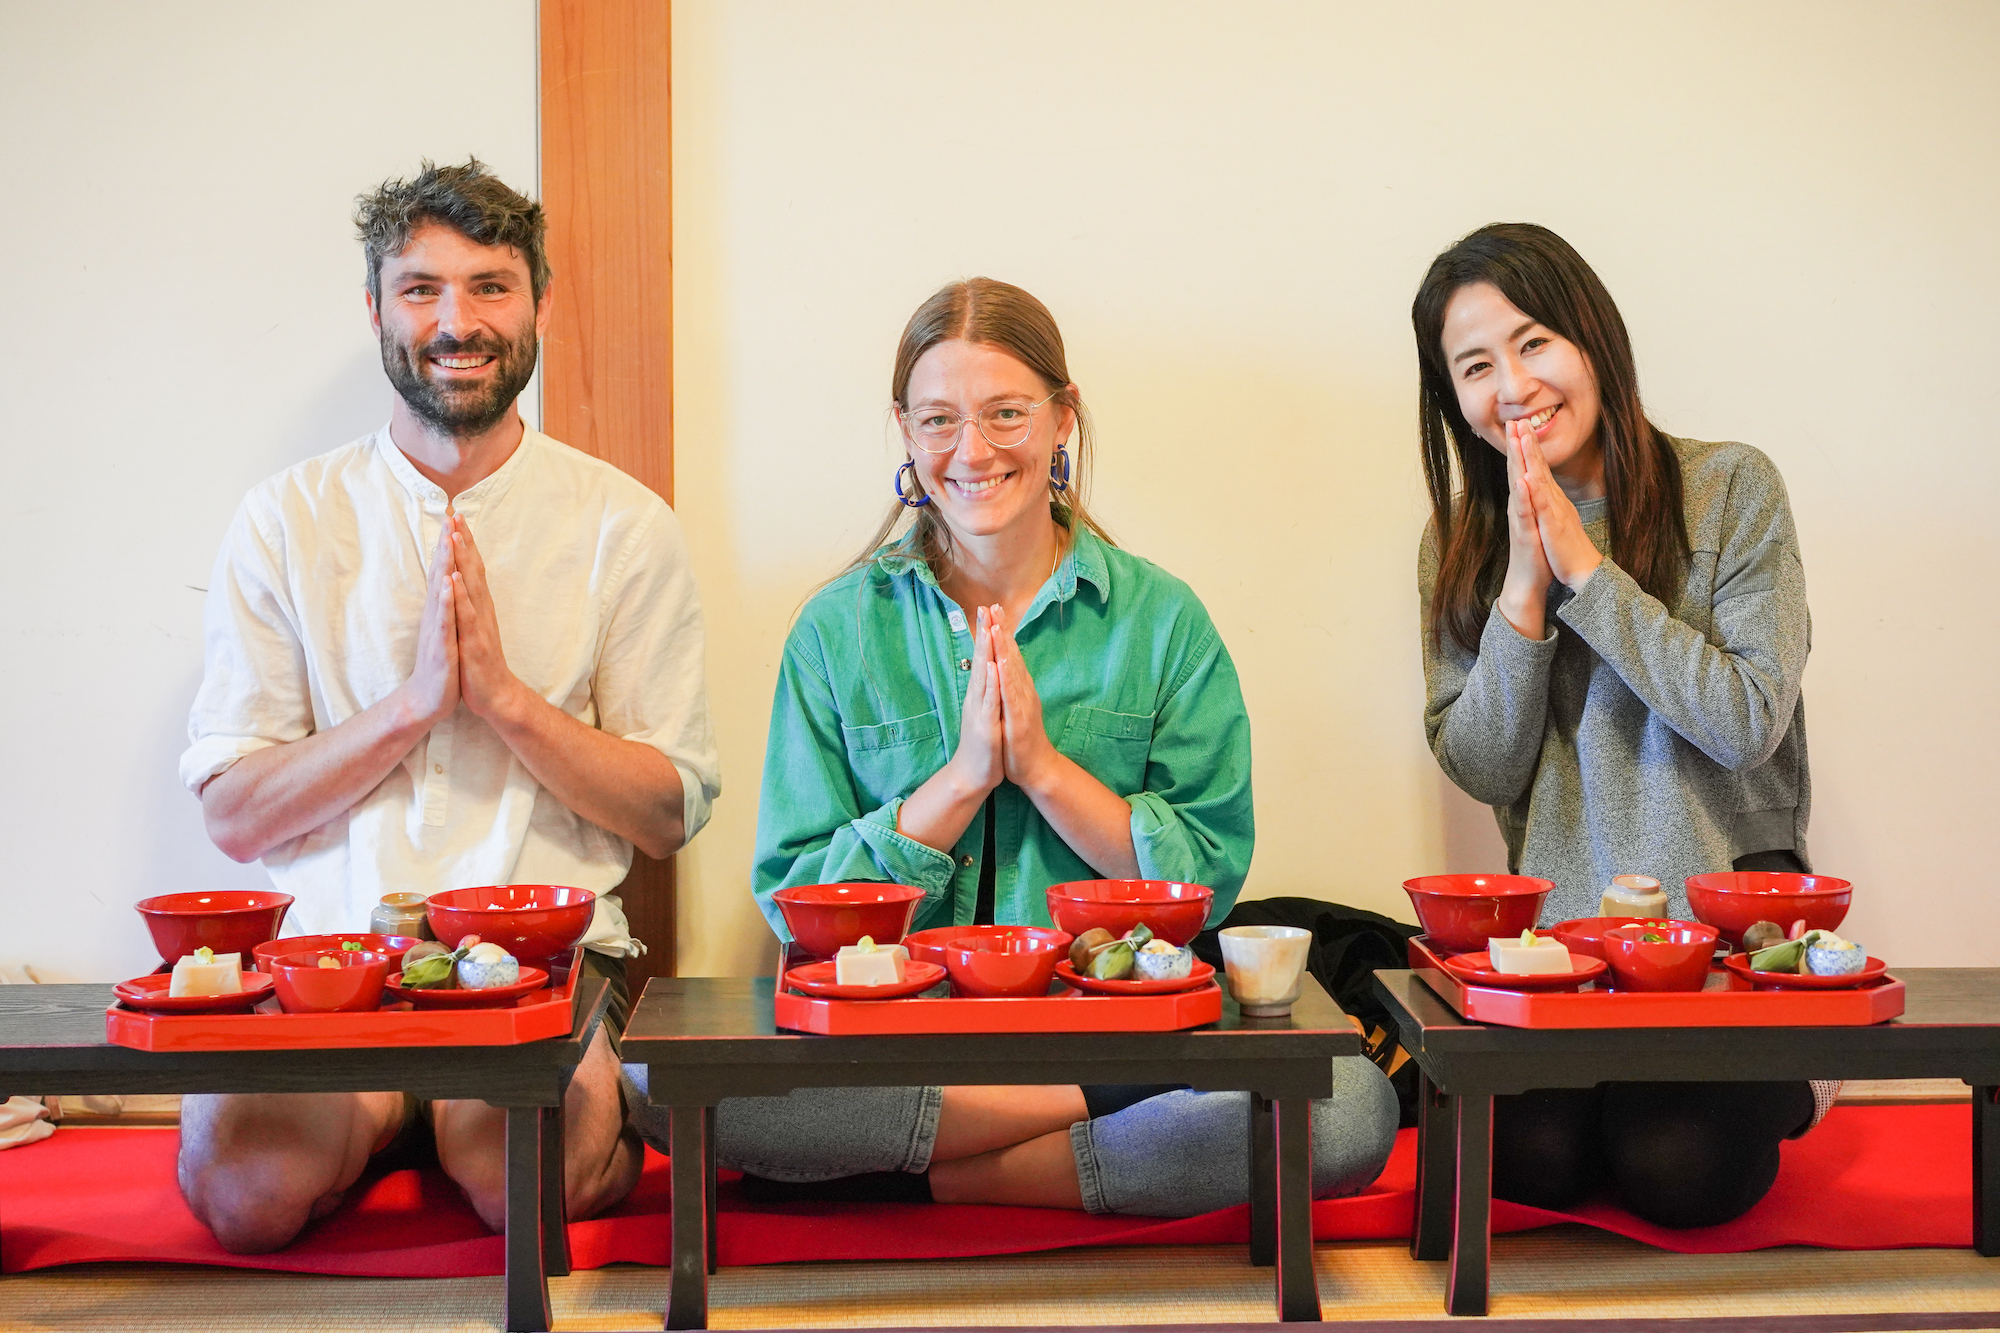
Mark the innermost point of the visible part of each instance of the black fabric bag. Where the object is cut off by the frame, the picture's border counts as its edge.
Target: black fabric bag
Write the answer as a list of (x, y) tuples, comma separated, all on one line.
[(1349, 944)]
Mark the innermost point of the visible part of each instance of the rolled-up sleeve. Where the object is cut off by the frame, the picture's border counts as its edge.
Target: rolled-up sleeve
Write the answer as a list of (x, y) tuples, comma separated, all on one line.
[(254, 689), (650, 685), (1194, 821), (811, 828)]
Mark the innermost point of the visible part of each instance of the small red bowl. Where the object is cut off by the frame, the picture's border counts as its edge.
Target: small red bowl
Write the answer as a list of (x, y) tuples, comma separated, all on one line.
[(1734, 900), (537, 923), (927, 946), (1462, 912), (1679, 961), (1585, 935), (304, 987), (227, 920), (395, 946), (824, 918), (1175, 912), (1001, 965)]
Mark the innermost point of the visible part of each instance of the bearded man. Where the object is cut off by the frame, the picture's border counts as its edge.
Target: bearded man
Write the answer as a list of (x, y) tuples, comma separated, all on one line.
[(453, 652)]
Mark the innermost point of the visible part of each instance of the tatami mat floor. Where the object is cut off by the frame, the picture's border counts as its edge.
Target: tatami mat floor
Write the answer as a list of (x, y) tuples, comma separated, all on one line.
[(1558, 1273)]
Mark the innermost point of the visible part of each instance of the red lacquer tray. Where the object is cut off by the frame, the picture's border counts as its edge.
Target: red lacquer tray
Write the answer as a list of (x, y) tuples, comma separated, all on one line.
[(534, 1017), (1727, 1002), (1062, 1010)]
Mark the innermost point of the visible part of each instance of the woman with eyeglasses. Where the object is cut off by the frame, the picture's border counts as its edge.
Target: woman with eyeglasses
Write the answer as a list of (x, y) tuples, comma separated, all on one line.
[(992, 700), (1614, 630)]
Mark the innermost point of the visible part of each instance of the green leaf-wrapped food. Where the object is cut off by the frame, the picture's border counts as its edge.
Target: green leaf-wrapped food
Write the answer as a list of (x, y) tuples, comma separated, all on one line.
[(1140, 935), (435, 971), (1786, 957), (1114, 964)]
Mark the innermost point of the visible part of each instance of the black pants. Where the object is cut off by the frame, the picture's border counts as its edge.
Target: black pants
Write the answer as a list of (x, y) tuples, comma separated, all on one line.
[(1676, 1154)]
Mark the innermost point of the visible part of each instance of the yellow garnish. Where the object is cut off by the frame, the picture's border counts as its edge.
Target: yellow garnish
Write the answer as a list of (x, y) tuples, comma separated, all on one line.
[(206, 954), (328, 961), (866, 944)]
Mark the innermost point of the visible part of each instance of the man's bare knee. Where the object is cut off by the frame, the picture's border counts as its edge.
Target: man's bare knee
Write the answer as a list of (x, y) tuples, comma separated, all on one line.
[(256, 1169)]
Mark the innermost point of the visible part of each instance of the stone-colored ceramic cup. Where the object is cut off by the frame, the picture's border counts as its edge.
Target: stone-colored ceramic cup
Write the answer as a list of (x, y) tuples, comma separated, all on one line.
[(1264, 964)]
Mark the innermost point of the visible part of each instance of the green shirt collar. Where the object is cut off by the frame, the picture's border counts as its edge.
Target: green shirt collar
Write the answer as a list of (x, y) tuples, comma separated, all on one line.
[(1084, 562)]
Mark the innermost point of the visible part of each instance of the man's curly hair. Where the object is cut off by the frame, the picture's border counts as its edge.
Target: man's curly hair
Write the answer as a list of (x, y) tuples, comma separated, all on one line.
[(471, 200)]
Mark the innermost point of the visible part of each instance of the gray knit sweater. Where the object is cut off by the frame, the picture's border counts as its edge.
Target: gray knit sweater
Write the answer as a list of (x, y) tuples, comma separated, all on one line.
[(1637, 737)]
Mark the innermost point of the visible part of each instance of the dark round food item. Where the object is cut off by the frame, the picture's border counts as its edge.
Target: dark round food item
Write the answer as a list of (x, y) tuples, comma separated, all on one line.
[(1762, 934), (1087, 943)]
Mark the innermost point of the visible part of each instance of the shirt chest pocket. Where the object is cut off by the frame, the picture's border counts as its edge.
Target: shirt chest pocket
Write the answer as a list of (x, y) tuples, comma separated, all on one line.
[(891, 759), (1111, 747)]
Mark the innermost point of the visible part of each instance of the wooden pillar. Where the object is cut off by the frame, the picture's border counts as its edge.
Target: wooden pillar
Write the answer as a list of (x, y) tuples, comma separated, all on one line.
[(607, 363)]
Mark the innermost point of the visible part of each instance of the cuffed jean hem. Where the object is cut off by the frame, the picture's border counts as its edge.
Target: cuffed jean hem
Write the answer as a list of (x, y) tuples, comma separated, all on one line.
[(1186, 1153), (813, 1133)]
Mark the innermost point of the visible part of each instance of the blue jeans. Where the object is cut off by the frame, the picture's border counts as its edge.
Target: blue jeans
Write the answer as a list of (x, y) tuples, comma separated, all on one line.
[(1175, 1155)]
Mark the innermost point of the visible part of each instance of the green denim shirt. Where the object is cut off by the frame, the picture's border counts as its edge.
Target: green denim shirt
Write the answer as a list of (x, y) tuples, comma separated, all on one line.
[(1136, 687)]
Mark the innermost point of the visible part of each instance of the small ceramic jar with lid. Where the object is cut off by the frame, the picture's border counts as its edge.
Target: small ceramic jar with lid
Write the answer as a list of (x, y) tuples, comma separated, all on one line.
[(401, 914)]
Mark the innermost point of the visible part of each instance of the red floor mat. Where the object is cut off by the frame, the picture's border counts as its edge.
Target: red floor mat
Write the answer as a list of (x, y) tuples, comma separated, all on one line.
[(1868, 1178)]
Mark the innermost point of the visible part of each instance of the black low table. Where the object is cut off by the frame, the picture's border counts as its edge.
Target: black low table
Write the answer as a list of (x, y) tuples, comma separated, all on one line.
[(707, 1038), (52, 1040), (1950, 1028)]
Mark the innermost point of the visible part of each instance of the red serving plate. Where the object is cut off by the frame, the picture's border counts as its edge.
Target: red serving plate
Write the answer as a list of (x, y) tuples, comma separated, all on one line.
[(535, 1017), (1199, 973), (493, 997), (1477, 969), (818, 979), (1740, 966), (1064, 1010), (1728, 1001), (149, 993)]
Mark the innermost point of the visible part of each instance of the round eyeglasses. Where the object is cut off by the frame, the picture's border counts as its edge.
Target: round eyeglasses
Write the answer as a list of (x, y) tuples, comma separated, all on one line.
[(1004, 425)]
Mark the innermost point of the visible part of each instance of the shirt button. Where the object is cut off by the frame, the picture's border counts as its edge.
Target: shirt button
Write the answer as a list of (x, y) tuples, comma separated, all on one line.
[(965, 664), (965, 861), (437, 768)]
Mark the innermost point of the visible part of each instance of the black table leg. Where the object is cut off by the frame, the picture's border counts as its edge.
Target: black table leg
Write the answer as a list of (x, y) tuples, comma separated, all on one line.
[(527, 1281), (1263, 1182), (708, 1171), (1298, 1289), (1986, 1171), (1472, 1212), (555, 1194), (687, 1145), (1430, 1229)]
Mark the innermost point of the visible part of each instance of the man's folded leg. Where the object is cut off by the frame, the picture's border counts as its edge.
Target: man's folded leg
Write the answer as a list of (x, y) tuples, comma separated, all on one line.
[(255, 1168)]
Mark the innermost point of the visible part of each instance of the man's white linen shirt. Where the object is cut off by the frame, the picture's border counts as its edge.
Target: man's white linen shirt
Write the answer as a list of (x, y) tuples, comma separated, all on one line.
[(312, 616)]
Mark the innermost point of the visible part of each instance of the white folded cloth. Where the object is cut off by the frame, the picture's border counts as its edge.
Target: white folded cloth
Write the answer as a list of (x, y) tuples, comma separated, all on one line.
[(23, 1120)]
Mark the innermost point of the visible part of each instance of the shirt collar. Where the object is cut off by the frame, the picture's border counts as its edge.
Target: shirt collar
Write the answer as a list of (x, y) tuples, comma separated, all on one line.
[(1083, 562), (487, 492)]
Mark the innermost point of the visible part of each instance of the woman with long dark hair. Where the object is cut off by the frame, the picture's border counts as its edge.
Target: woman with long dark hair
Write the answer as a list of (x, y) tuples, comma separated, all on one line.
[(990, 700), (1614, 630)]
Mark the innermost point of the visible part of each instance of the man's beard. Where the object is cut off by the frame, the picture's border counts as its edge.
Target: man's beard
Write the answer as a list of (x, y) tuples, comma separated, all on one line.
[(460, 409)]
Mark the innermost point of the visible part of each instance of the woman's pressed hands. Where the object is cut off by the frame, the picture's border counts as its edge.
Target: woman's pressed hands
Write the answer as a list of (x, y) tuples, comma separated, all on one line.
[(980, 757), (1525, 588), (1567, 549), (1029, 755)]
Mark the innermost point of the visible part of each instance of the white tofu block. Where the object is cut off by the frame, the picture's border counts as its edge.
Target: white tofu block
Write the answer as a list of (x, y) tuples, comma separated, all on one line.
[(854, 966), (1545, 955), (224, 976)]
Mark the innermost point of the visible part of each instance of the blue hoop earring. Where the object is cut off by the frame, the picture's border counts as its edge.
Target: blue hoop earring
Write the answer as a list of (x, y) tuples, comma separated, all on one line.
[(1059, 470), (910, 467)]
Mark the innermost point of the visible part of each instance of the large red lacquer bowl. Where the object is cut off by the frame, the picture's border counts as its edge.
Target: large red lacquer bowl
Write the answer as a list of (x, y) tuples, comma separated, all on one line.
[(1734, 900), (537, 923), (1464, 911), (227, 920), (824, 918), (1173, 911)]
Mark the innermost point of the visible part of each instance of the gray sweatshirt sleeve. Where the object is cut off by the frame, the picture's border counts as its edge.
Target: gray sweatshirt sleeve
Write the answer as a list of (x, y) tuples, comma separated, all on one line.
[(1484, 712), (1730, 692)]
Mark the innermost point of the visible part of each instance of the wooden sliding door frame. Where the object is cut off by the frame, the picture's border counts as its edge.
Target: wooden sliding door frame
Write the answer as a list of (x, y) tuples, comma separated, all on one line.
[(606, 131)]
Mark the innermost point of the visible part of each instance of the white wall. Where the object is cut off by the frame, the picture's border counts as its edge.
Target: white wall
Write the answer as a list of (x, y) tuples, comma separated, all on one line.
[(185, 319), (1228, 208)]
